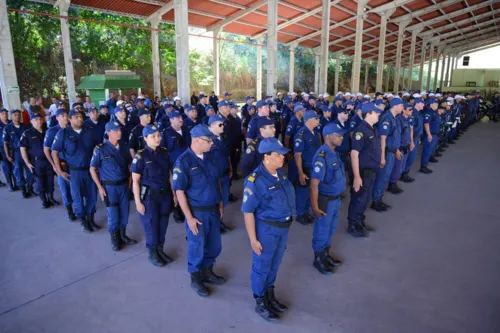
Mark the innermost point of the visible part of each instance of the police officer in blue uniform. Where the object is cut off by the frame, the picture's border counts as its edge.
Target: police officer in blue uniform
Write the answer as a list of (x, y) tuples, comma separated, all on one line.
[(252, 158), (286, 114), (209, 112), (295, 124), (200, 107), (406, 133), (268, 207), (64, 186), (35, 160), (245, 122), (366, 154), (262, 111), (344, 149), (76, 144), (109, 169), (164, 121), (6, 164), (136, 141), (192, 118), (306, 142), (416, 122), (96, 124), (328, 182), (237, 130), (152, 178), (196, 181), (12, 148), (432, 123), (390, 140), (276, 117)]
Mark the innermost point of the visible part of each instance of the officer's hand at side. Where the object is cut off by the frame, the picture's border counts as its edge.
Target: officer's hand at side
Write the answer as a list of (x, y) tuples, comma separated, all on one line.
[(102, 192), (221, 210), (382, 162), (193, 224), (357, 183), (398, 155), (65, 176), (11, 160), (429, 138), (412, 146), (31, 167), (256, 247), (302, 179), (319, 213), (140, 208), (176, 202)]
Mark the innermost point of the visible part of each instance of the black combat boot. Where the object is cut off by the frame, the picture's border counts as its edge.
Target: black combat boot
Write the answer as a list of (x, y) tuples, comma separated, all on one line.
[(125, 239), (354, 230), (2, 184), (302, 219), (92, 223), (71, 214), (378, 206), (321, 264), (178, 215), (433, 160), (405, 178), (425, 170), (197, 284), (85, 225), (31, 192), (25, 192), (262, 309), (274, 304), (366, 228), (394, 188), (45, 203), (154, 258), (115, 241), (163, 255), (11, 182), (438, 154), (50, 198), (210, 277), (331, 259), (224, 228)]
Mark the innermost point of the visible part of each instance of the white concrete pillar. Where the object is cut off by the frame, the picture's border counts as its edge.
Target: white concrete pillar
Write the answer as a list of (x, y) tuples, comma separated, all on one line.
[(412, 56), (182, 49), (381, 47), (403, 78), (324, 47), (429, 67), (456, 62), (317, 60), (291, 70), (8, 75), (442, 72), (447, 76), (156, 57), (387, 78), (258, 90), (436, 71), (66, 44), (422, 60), (367, 74), (356, 64), (453, 61), (216, 56), (399, 49), (337, 72), (272, 45)]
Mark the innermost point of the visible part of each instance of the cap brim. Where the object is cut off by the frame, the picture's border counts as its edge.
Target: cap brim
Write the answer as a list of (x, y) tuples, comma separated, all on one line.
[(281, 151)]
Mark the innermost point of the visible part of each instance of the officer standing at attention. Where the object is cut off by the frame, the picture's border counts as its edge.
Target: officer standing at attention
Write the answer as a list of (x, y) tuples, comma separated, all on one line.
[(390, 140), (192, 118), (75, 144), (152, 178), (200, 107), (196, 181), (12, 133), (176, 139), (6, 164), (262, 111), (406, 144), (307, 142), (109, 169), (328, 182), (35, 160), (97, 125), (366, 156), (344, 149), (268, 207), (295, 124), (432, 123), (252, 158), (62, 120), (136, 141), (417, 123), (276, 117)]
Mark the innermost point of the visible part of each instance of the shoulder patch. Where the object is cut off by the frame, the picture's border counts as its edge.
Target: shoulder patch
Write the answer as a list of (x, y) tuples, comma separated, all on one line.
[(358, 135), (251, 178), (138, 156), (177, 170), (247, 190), (386, 123)]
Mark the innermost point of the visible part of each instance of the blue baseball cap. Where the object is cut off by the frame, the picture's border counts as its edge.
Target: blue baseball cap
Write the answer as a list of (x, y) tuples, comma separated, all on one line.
[(189, 108), (337, 99), (419, 100), (333, 128), (215, 118), (260, 104), (58, 104), (346, 104), (310, 115), (202, 96), (112, 126), (395, 102), (201, 130), (325, 108), (118, 109), (270, 145), (222, 104), (298, 107), (368, 107), (208, 107), (227, 93), (251, 107), (12, 111), (343, 110), (75, 104), (60, 112), (149, 129), (164, 99), (264, 121), (103, 106), (174, 114), (233, 106), (74, 112), (35, 115), (168, 106), (431, 101), (312, 97), (379, 101), (143, 111), (271, 103), (4, 110), (248, 98), (407, 105), (288, 100)]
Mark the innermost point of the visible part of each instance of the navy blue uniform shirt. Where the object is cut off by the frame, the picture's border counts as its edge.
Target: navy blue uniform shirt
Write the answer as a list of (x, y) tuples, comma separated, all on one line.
[(329, 169), (113, 163), (153, 166), (366, 141)]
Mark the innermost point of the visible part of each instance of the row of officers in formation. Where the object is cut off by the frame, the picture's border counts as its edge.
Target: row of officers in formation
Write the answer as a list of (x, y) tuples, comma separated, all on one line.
[(297, 155)]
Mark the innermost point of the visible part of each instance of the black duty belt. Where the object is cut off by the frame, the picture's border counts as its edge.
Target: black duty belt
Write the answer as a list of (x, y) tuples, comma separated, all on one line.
[(435, 133), (278, 224), (115, 183), (388, 150), (204, 208), (79, 169), (40, 158), (404, 149), (330, 197), (158, 192), (344, 153), (324, 200)]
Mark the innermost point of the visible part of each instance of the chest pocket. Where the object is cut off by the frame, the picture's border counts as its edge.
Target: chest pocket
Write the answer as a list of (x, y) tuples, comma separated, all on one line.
[(155, 170), (109, 162), (275, 196), (333, 172), (71, 144), (37, 142), (197, 176)]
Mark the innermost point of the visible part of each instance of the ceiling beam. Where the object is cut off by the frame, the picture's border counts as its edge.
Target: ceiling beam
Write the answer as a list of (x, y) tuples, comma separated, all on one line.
[(237, 16), (160, 12), (471, 34), (456, 24), (391, 5), (424, 11)]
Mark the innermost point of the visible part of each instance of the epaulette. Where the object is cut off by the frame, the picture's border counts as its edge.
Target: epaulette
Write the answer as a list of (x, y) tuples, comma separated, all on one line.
[(252, 177), (140, 150), (164, 148), (99, 145), (321, 153), (253, 141)]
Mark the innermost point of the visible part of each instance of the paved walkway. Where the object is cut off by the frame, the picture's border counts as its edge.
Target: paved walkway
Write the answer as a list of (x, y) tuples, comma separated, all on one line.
[(433, 265)]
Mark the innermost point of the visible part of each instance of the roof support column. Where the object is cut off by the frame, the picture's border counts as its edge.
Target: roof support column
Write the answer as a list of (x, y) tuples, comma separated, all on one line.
[(456, 61), (381, 47), (272, 44), (387, 77), (8, 75), (442, 73), (412, 56), (399, 49), (367, 73), (156, 57), (317, 60), (337, 72), (182, 49), (63, 6), (453, 60), (291, 70), (258, 90), (356, 64), (436, 72), (429, 67), (403, 78), (447, 76), (216, 55), (422, 60), (325, 41)]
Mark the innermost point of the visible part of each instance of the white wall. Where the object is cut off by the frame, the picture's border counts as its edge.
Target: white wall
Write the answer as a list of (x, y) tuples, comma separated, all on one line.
[(489, 58)]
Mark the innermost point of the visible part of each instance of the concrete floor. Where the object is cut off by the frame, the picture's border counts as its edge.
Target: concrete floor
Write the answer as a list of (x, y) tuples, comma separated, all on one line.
[(431, 266)]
